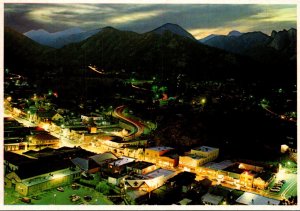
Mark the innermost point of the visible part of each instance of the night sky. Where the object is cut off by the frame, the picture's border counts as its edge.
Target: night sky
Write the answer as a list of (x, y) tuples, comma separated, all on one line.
[(200, 20)]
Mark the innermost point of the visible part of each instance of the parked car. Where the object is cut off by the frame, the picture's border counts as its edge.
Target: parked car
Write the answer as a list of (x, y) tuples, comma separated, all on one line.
[(75, 186), (75, 198), (274, 190), (26, 199), (87, 198), (36, 197), (72, 196), (61, 189)]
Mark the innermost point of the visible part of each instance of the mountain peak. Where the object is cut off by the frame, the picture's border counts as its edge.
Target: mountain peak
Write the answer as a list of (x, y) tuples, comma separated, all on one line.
[(38, 31), (204, 39), (174, 28), (234, 33), (109, 28), (273, 34)]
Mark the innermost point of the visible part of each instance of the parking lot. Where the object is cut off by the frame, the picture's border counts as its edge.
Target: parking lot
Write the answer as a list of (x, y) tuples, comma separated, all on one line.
[(289, 188), (55, 197)]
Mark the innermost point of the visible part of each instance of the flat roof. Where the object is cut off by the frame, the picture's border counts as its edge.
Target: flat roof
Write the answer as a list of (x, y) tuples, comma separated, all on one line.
[(219, 166), (140, 164), (254, 199), (205, 149), (235, 169), (44, 136), (196, 157), (159, 172), (162, 148), (212, 199), (122, 161), (50, 176)]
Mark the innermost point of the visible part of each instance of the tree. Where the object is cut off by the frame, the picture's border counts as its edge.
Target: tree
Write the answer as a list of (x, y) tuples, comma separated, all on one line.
[(103, 187)]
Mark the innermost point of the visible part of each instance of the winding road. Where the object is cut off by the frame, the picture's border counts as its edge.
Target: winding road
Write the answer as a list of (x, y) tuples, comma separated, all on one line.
[(118, 112)]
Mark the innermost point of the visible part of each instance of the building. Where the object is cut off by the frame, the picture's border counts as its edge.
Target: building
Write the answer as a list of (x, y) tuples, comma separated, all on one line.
[(15, 144), (43, 140), (210, 153), (169, 160), (190, 162), (57, 117), (152, 154), (183, 180), (198, 157), (119, 165), (149, 181), (254, 199), (92, 117), (237, 174), (12, 161), (141, 167), (30, 176), (43, 115), (211, 199), (63, 152), (104, 158), (118, 144), (87, 165)]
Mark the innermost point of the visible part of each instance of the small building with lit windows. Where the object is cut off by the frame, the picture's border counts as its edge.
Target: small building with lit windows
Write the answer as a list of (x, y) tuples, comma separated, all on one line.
[(210, 153), (141, 167), (198, 157), (43, 140), (152, 154), (119, 165), (238, 174), (149, 181)]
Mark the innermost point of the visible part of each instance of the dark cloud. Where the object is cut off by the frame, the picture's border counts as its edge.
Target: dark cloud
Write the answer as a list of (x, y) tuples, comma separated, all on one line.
[(145, 17)]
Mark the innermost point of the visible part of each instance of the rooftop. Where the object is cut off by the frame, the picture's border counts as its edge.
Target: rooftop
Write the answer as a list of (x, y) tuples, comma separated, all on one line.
[(44, 178), (212, 199), (16, 159), (122, 161), (205, 149), (159, 172), (159, 149), (63, 152), (44, 136), (254, 199), (196, 157), (85, 164), (235, 169), (219, 166), (102, 158), (140, 164), (40, 167)]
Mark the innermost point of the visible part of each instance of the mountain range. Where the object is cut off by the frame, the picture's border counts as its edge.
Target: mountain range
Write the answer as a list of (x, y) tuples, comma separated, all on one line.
[(167, 50), (249, 43), (74, 35), (61, 38)]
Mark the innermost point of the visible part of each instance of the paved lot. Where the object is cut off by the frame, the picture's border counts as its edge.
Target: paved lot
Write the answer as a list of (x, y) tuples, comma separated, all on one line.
[(288, 189), (54, 197)]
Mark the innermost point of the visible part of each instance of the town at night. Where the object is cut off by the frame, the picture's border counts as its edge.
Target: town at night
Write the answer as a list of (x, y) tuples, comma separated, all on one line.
[(147, 104)]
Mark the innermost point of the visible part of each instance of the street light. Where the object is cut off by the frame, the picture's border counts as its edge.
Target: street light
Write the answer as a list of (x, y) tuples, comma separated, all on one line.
[(54, 196)]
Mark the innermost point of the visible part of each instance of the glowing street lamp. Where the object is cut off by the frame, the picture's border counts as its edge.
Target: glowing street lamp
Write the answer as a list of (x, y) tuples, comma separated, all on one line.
[(203, 101), (54, 196)]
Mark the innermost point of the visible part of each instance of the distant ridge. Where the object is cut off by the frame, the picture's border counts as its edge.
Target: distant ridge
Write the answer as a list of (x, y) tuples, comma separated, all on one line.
[(174, 28)]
